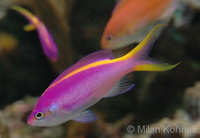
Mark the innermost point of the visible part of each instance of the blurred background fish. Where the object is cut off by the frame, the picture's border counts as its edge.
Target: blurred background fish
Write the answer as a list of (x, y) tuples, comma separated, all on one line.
[(131, 20), (48, 44)]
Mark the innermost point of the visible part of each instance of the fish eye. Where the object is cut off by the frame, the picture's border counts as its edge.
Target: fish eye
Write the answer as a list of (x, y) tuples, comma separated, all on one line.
[(39, 115), (110, 37)]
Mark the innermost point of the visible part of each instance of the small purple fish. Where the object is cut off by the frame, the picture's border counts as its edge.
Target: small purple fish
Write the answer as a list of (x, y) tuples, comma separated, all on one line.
[(96, 76), (48, 44)]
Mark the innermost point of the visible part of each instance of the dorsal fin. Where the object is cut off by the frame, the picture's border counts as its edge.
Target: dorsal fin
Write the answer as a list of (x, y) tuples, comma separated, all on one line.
[(96, 56), (171, 8), (119, 5), (91, 58)]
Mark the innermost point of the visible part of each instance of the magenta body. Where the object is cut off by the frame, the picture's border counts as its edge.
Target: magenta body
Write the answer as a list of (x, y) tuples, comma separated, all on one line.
[(81, 91), (48, 45)]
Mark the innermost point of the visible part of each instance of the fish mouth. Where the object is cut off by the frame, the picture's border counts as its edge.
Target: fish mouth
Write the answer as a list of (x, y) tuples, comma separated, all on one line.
[(30, 123), (33, 124), (103, 44)]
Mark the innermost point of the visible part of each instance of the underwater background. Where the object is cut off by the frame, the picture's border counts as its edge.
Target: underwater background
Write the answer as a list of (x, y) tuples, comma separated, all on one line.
[(170, 98)]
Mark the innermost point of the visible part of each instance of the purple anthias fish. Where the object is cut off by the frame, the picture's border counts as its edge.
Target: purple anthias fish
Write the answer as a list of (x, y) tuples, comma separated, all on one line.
[(48, 45), (96, 76)]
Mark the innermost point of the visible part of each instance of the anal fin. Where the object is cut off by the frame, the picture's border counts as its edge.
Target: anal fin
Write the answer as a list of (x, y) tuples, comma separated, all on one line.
[(86, 117)]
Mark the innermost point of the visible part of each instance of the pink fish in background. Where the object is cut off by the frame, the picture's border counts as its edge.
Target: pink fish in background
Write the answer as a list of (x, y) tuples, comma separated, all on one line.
[(48, 45), (131, 20), (96, 76)]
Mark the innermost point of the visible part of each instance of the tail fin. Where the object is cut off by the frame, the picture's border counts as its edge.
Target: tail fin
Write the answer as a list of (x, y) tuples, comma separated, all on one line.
[(141, 51), (29, 27), (27, 14)]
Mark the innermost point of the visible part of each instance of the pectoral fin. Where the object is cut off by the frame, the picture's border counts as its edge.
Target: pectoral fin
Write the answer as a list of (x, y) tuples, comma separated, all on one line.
[(120, 87), (86, 117)]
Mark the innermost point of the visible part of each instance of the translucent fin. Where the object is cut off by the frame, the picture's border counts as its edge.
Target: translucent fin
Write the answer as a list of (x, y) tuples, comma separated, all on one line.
[(142, 50), (96, 56), (139, 55), (29, 27), (121, 87), (154, 67), (86, 117), (171, 8)]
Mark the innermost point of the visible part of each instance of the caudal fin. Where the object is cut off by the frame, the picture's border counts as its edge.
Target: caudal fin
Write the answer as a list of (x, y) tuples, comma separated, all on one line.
[(29, 27), (154, 67), (140, 54), (27, 14)]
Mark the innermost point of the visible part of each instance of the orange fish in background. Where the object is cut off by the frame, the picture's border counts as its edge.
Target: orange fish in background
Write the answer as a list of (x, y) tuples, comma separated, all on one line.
[(131, 20)]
